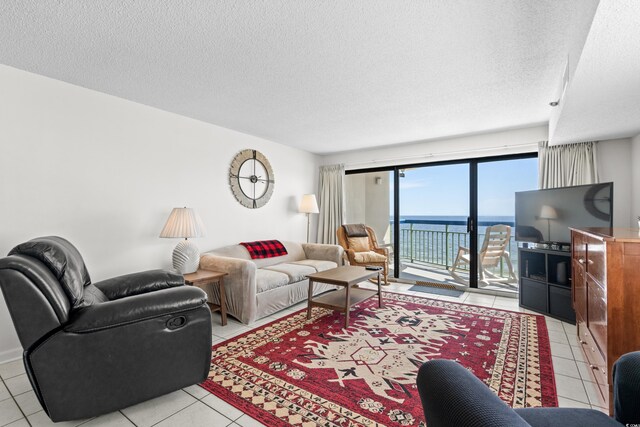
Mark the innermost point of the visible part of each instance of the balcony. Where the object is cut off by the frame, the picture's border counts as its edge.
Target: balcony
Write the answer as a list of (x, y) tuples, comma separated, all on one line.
[(429, 247)]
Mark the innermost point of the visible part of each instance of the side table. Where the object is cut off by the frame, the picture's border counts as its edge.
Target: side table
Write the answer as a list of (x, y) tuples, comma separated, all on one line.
[(205, 277)]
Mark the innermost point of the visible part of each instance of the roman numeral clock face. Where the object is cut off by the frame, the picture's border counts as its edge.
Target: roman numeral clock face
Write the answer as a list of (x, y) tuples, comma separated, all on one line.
[(251, 179)]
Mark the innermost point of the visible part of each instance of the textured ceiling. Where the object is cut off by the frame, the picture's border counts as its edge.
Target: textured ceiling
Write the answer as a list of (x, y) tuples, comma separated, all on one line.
[(603, 97), (324, 76)]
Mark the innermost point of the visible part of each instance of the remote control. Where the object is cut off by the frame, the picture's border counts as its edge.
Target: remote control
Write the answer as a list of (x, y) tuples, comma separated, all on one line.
[(372, 267)]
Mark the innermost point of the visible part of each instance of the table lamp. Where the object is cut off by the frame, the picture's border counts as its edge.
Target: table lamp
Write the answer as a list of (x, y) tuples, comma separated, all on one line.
[(184, 223), (548, 212), (308, 205)]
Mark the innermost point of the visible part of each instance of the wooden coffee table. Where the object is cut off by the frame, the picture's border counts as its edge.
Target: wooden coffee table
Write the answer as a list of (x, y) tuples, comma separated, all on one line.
[(343, 299)]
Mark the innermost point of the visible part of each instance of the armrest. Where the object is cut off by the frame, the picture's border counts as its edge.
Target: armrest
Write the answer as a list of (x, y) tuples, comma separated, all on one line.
[(239, 286), (351, 255), (136, 308), (626, 388), (323, 252), (453, 396), (382, 251), (139, 283)]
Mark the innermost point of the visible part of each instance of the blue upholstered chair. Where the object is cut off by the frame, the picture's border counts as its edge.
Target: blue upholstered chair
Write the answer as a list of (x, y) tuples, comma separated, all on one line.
[(453, 396)]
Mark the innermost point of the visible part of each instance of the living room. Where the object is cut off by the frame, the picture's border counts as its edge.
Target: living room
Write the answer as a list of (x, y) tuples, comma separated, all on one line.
[(105, 130)]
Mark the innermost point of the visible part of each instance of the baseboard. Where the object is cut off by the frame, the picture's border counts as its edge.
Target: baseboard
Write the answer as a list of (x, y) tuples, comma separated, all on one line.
[(11, 355)]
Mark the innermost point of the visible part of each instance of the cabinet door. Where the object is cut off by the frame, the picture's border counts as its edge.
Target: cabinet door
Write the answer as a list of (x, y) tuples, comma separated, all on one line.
[(596, 259), (579, 247), (578, 266), (597, 314), (560, 303), (533, 295), (579, 290)]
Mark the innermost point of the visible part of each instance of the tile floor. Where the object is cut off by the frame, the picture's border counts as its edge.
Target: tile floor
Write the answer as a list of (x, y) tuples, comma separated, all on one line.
[(193, 406)]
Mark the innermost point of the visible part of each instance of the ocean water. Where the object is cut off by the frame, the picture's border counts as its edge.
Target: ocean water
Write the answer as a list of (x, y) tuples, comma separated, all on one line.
[(496, 219)]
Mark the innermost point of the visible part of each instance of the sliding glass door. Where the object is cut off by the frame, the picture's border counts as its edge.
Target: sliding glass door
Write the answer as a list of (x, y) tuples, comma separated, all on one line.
[(433, 212), (498, 182), (434, 217)]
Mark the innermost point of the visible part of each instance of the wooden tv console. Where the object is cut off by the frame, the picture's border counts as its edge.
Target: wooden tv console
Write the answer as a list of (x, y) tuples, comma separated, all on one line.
[(606, 299)]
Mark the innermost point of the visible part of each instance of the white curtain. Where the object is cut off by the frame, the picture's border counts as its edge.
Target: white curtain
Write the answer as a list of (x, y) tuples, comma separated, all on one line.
[(331, 192), (567, 165)]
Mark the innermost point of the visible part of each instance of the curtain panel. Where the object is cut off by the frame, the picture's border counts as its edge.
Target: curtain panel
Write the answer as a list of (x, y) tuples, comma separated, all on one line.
[(331, 191), (567, 165)]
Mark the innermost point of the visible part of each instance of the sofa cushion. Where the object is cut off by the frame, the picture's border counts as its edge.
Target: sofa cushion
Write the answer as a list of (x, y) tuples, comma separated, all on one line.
[(294, 253), (296, 272), (294, 249), (318, 264), (362, 257), (269, 279), (359, 244)]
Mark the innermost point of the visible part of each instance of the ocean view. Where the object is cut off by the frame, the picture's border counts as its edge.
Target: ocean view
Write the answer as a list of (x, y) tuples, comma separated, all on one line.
[(496, 219), (455, 223), (435, 239)]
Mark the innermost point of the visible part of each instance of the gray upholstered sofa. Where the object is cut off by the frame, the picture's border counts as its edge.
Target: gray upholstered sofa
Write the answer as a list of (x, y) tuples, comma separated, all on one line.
[(256, 288)]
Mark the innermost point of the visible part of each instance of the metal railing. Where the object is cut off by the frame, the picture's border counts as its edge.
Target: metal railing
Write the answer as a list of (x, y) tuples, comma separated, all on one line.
[(436, 242)]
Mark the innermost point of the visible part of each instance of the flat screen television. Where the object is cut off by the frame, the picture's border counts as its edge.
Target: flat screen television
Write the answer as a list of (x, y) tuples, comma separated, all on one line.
[(544, 216)]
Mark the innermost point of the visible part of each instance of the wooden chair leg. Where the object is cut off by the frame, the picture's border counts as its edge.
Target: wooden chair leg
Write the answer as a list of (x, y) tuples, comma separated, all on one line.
[(455, 265), (507, 260)]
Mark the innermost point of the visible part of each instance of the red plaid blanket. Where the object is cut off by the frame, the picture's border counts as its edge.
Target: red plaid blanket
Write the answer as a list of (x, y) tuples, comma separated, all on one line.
[(265, 248)]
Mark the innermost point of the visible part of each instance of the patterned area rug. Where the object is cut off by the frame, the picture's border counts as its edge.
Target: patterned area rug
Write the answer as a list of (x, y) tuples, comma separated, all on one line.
[(306, 373)]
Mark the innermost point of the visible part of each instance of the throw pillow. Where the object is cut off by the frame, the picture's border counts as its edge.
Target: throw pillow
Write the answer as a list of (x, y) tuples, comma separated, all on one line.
[(359, 244)]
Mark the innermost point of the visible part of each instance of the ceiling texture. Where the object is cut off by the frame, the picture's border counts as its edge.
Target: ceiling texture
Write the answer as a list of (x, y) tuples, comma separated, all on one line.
[(602, 100), (323, 76)]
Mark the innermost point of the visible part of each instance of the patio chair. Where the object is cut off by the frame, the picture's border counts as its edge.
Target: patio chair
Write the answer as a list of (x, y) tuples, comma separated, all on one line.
[(361, 247), (494, 248)]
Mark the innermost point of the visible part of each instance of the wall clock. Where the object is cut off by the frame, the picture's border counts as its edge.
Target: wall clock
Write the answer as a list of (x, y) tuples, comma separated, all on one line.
[(251, 179)]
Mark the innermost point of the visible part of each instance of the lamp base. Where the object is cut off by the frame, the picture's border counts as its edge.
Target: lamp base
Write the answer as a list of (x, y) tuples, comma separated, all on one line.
[(186, 257)]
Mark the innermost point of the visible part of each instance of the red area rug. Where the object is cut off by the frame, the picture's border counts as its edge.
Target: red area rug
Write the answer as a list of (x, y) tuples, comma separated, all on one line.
[(298, 372)]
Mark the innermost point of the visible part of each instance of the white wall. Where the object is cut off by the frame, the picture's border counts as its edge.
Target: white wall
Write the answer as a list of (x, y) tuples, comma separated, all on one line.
[(355, 196), (104, 173), (482, 145), (369, 203), (378, 203), (614, 164), (635, 180)]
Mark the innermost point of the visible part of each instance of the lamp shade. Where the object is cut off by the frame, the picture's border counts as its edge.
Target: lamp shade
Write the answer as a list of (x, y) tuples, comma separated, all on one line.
[(548, 212), (309, 204), (183, 223)]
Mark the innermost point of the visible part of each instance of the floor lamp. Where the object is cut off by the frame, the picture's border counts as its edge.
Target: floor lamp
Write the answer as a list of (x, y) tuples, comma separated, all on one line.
[(308, 205)]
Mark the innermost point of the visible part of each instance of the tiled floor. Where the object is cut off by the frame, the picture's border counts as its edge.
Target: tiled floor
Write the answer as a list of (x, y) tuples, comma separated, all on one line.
[(194, 406), (439, 274)]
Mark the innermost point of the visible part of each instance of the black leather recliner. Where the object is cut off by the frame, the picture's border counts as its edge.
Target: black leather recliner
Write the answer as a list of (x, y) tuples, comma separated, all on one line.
[(453, 396), (90, 348)]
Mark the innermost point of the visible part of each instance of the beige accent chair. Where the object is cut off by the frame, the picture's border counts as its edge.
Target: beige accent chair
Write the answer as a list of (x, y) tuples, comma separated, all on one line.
[(494, 248), (365, 251)]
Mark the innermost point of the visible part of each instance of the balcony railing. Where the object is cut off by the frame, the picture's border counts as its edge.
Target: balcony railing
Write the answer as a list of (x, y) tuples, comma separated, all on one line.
[(436, 242)]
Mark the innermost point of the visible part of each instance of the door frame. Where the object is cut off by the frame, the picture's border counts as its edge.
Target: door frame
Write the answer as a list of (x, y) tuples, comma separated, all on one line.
[(473, 200)]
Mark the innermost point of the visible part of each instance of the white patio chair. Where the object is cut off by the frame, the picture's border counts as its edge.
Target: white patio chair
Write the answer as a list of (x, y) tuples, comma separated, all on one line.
[(494, 248)]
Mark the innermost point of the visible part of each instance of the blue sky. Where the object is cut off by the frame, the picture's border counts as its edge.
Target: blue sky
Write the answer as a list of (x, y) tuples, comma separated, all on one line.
[(444, 190)]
